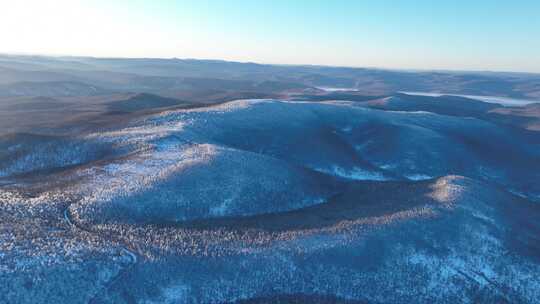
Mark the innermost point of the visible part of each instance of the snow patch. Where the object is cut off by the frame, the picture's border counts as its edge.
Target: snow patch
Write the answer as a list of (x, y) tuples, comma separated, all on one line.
[(417, 177), (355, 173)]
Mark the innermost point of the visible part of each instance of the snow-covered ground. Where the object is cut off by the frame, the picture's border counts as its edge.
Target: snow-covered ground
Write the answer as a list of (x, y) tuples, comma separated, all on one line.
[(505, 101), (260, 198)]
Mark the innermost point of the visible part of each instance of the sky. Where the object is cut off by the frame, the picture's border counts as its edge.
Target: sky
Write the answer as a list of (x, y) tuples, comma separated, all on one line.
[(406, 34)]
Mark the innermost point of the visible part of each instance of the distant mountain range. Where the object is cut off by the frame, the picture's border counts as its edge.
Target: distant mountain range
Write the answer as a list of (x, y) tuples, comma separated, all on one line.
[(82, 76)]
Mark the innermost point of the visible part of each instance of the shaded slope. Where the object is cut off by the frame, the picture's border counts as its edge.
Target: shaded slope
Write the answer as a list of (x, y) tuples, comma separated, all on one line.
[(527, 117), (141, 102), (446, 105)]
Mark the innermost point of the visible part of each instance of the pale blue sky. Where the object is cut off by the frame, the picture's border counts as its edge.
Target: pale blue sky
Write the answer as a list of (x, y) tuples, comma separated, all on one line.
[(459, 34)]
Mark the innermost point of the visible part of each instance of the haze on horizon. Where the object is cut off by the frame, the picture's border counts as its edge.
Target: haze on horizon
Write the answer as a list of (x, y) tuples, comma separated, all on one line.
[(455, 35)]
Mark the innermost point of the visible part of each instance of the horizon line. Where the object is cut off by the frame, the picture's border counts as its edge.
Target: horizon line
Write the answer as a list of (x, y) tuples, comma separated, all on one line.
[(410, 70)]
